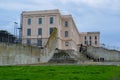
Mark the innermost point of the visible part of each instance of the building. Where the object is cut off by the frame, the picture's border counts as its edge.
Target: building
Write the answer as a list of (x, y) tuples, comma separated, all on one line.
[(6, 37), (38, 25), (90, 38)]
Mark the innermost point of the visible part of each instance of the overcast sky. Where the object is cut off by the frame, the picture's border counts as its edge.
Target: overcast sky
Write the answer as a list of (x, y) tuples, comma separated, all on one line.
[(89, 15)]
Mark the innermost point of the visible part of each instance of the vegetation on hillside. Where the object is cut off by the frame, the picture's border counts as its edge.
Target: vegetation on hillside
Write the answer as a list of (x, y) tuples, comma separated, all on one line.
[(68, 72)]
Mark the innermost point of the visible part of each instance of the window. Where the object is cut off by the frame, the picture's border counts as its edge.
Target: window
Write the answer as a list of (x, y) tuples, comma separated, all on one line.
[(66, 33), (95, 42), (90, 37), (28, 32), (66, 43), (95, 37), (51, 30), (66, 23), (90, 43), (39, 31), (85, 37), (39, 42), (85, 42), (40, 20), (28, 42), (51, 20), (29, 21)]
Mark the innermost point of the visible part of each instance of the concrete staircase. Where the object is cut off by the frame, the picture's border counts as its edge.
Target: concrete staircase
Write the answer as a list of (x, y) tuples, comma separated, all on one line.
[(103, 54), (63, 57), (99, 54), (86, 56)]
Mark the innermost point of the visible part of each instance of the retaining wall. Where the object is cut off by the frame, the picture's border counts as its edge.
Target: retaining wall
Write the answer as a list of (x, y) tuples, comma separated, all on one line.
[(108, 55)]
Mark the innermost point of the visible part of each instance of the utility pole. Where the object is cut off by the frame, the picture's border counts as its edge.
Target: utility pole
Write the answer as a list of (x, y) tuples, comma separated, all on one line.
[(20, 29), (15, 28)]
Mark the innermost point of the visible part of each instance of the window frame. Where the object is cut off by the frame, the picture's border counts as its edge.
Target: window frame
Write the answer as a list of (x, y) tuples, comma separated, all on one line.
[(39, 42), (51, 20), (39, 31), (29, 21), (85, 37), (66, 34), (67, 43), (85, 42), (96, 42), (95, 37), (90, 38), (51, 30), (28, 42), (28, 32), (90, 43), (66, 23), (40, 21)]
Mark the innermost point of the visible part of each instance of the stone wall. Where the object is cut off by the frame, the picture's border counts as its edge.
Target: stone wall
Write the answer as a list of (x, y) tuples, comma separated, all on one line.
[(13, 54), (108, 55)]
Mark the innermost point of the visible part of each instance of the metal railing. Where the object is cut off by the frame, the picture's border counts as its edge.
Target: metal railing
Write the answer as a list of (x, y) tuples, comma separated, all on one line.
[(110, 47)]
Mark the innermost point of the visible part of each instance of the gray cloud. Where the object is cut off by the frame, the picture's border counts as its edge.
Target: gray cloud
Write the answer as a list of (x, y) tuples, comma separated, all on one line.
[(89, 15)]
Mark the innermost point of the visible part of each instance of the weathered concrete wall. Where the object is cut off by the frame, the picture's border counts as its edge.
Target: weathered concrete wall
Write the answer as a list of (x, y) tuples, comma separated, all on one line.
[(17, 54), (12, 54), (108, 55)]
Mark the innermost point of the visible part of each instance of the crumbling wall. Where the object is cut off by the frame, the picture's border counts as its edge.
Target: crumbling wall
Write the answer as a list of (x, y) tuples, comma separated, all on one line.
[(50, 46), (108, 55), (13, 54)]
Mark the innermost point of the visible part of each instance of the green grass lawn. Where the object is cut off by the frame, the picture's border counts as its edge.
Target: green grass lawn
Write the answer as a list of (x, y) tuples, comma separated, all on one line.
[(64, 72)]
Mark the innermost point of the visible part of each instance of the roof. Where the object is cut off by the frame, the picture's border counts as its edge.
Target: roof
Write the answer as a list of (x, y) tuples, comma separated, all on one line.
[(41, 12)]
